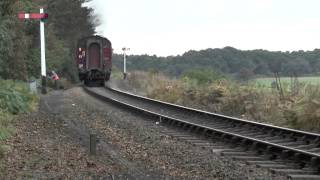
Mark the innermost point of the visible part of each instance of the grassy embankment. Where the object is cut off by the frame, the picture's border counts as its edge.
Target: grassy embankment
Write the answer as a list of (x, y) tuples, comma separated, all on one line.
[(15, 98), (299, 108)]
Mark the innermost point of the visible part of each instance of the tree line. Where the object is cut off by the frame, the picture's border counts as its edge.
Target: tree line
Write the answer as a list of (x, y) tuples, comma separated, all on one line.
[(231, 61), (68, 21)]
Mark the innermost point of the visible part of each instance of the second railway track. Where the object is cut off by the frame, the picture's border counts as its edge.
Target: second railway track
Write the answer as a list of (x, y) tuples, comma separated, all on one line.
[(294, 152)]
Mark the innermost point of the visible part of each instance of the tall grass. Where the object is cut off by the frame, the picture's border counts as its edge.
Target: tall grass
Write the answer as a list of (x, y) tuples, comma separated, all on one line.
[(306, 111)]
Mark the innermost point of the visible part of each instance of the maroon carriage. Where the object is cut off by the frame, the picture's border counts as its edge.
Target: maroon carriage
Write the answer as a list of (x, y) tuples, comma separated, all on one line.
[(93, 58)]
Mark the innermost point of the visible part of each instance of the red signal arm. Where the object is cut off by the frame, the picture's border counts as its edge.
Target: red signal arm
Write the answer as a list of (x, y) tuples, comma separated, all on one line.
[(33, 15)]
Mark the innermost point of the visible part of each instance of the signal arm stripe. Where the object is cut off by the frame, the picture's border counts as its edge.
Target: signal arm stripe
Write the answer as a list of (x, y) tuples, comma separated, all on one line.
[(27, 16)]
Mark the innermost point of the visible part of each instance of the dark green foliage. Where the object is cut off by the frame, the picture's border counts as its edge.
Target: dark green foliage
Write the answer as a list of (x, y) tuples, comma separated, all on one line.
[(13, 43), (240, 64), (6, 7), (33, 64), (6, 44), (20, 42), (69, 21)]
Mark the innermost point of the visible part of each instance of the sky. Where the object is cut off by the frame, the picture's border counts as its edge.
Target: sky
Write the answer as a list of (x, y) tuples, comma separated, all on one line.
[(172, 27)]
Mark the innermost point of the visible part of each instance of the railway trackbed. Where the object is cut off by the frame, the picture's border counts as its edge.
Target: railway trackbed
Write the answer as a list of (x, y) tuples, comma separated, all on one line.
[(282, 150)]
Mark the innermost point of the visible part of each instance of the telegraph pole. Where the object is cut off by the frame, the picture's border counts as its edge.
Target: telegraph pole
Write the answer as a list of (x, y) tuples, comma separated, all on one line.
[(124, 49), (39, 16)]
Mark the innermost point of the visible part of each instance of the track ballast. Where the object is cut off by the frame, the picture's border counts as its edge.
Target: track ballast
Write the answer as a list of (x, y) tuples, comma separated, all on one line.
[(299, 150)]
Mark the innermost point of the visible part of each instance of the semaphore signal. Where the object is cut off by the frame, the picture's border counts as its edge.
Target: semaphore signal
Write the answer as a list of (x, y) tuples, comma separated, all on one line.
[(39, 16)]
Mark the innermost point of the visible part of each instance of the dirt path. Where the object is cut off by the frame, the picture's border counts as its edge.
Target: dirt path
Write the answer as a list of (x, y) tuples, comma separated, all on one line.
[(53, 143), (49, 145)]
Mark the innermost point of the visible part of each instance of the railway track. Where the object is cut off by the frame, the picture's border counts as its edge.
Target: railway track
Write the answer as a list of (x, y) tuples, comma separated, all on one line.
[(295, 153)]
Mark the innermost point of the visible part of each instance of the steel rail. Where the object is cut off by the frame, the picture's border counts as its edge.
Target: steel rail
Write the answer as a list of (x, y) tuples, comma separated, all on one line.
[(297, 155), (304, 133)]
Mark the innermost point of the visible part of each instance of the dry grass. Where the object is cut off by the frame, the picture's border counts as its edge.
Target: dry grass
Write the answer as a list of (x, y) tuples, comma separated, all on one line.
[(299, 110), (5, 130)]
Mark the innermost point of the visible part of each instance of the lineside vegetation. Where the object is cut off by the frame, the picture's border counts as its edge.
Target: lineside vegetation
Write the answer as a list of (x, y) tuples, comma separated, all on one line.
[(68, 21), (297, 107), (15, 98)]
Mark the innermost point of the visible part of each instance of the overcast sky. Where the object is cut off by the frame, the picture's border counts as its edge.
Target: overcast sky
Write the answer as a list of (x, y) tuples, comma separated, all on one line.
[(171, 27)]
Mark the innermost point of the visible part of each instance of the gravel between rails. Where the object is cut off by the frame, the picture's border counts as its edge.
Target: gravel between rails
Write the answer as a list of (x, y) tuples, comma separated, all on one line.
[(53, 143)]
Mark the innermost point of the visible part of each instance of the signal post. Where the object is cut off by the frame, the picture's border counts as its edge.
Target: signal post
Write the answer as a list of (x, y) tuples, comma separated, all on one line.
[(124, 49), (39, 16)]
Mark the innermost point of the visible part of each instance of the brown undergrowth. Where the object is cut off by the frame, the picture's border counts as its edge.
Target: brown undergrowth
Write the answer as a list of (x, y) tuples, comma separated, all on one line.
[(299, 108)]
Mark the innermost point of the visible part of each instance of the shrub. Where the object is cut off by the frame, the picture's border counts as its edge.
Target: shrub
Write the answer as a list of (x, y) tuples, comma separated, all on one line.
[(203, 76), (306, 112), (15, 97)]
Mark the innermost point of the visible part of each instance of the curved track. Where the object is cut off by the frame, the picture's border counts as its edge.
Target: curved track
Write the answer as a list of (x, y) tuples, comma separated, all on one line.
[(298, 148)]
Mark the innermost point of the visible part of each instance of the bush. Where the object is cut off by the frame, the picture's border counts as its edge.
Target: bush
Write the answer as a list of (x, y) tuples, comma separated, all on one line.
[(15, 97), (306, 112), (203, 76)]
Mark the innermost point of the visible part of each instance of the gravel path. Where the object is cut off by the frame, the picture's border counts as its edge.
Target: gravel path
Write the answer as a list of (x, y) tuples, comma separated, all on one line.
[(54, 143)]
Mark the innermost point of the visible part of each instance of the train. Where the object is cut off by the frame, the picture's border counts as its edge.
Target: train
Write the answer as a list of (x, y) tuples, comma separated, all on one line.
[(94, 60)]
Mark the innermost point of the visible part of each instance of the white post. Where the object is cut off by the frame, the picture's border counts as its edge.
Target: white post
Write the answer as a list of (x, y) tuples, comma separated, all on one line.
[(43, 55), (43, 52), (124, 63)]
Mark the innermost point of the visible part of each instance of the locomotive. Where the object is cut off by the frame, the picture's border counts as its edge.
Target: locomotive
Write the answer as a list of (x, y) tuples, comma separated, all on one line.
[(93, 59)]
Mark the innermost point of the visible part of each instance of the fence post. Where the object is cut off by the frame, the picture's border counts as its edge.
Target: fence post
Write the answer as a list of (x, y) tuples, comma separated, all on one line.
[(93, 144)]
